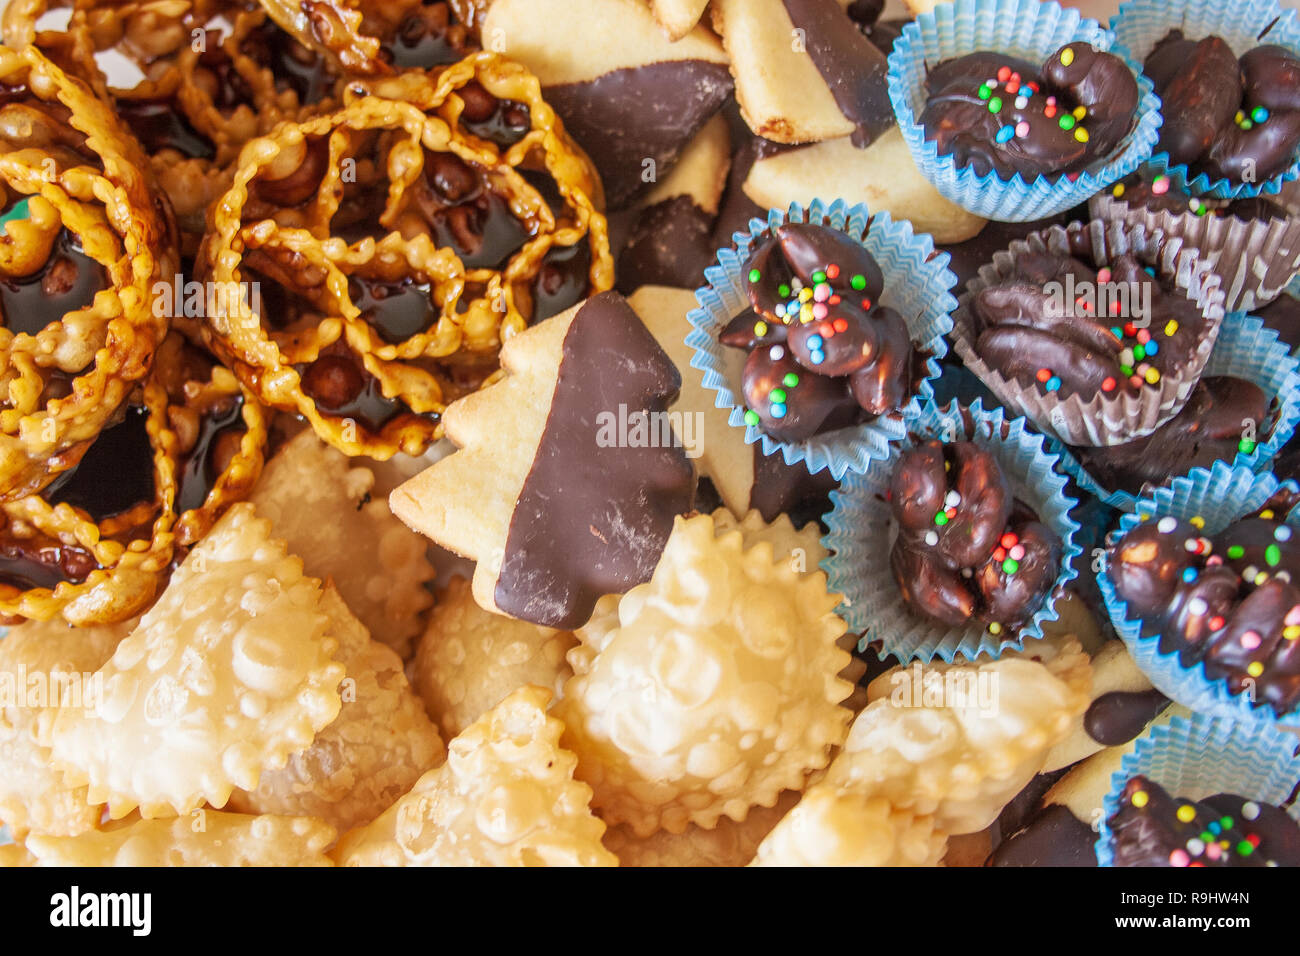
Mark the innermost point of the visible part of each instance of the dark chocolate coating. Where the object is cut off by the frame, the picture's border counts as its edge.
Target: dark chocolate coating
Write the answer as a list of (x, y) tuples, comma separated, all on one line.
[(967, 257), (813, 402), (852, 67), (965, 125), (741, 332), (645, 112), (930, 589), (1054, 837), (844, 352), (1151, 833), (1275, 828), (670, 245), (593, 520), (1119, 716), (1210, 427), (1011, 599), (789, 489), (1259, 618), (884, 383), (1282, 315), (1199, 100)]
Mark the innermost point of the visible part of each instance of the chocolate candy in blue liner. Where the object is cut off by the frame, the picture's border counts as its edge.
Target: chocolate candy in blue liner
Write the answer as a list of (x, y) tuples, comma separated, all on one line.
[(1262, 151), (1012, 592), (1102, 84), (885, 384), (791, 402), (1151, 828), (1199, 96), (743, 332), (811, 249), (1147, 564), (1252, 654), (845, 341), (1279, 835)]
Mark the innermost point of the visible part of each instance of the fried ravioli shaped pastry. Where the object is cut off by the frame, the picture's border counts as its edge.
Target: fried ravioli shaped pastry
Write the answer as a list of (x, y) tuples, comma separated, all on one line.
[(708, 690), (554, 505), (505, 797), (319, 504), (470, 660), (845, 827), (957, 741), (370, 755), (227, 675), (728, 844), (51, 659), (201, 838)]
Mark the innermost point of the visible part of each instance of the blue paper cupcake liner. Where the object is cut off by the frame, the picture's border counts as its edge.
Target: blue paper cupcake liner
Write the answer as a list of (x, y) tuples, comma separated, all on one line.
[(1025, 28), (1246, 349), (862, 530), (1141, 24), (917, 285), (1200, 756), (1220, 495)]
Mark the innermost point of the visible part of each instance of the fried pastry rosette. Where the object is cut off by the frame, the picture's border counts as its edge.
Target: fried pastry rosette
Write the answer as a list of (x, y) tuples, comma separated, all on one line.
[(94, 544), (213, 74), (82, 240), (395, 243)]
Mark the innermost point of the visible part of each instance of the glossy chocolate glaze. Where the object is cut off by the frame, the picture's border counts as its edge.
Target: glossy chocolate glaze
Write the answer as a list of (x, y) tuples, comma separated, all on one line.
[(1119, 716), (115, 473), (671, 244), (1054, 837), (789, 489)]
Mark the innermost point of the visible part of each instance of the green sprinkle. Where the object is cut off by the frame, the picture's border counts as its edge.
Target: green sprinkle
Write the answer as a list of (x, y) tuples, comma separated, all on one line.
[(858, 282), (1235, 551), (783, 290), (790, 380), (18, 211), (751, 417), (1244, 848), (1126, 369), (1246, 446), (1139, 353), (1273, 555), (755, 275), (777, 396), (1226, 822), (940, 519), (1247, 124), (1066, 121), (819, 277), (995, 105), (985, 91), (1010, 566)]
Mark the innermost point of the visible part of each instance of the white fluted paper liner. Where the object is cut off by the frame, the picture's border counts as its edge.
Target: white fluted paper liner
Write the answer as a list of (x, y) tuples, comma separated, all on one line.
[(862, 532), (1141, 24), (1246, 349), (1121, 416), (1220, 495), (1034, 31), (917, 285), (1201, 756), (1254, 259)]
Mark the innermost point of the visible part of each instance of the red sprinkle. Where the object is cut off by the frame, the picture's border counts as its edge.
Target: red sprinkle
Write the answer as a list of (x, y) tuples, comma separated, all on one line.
[(999, 554), (832, 271), (1043, 374), (1009, 540), (833, 300), (1108, 385), (1216, 622), (866, 304), (1004, 74), (1049, 112), (840, 325)]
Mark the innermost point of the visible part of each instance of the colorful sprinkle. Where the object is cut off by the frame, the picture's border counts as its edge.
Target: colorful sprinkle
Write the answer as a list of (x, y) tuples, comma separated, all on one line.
[(932, 538), (1273, 555), (1167, 524), (751, 417), (995, 628), (1255, 669), (1004, 134), (1235, 551), (858, 283), (790, 380), (1118, 190), (1139, 799), (1010, 566), (1066, 122), (940, 518), (755, 275), (1259, 114), (1186, 813), (985, 91), (995, 105), (1067, 56)]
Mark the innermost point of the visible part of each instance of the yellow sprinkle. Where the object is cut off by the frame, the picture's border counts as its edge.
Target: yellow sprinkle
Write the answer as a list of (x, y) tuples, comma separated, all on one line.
[(1118, 190), (1187, 813), (805, 294), (805, 313), (1239, 117), (1255, 669), (1067, 56), (1079, 111), (995, 628), (1198, 522), (1292, 632), (1140, 799), (1144, 517), (1261, 578), (1267, 514), (1152, 376), (1081, 134), (1171, 327), (760, 329)]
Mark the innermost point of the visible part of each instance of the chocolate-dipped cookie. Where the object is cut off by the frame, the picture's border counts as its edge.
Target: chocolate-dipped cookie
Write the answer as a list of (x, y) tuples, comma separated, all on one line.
[(1153, 828), (1224, 116), (999, 113), (835, 351), (966, 549), (1226, 600), (630, 97), (1215, 424)]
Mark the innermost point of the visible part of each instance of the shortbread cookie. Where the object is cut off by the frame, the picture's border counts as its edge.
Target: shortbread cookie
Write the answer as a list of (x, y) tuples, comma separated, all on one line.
[(834, 826), (960, 740), (678, 17), (201, 838), (370, 755), (229, 673), (804, 73), (884, 176), (469, 659), (40, 664), (320, 504), (708, 690), (671, 242), (569, 475), (718, 449), (630, 97), (1122, 703), (505, 797), (728, 844)]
